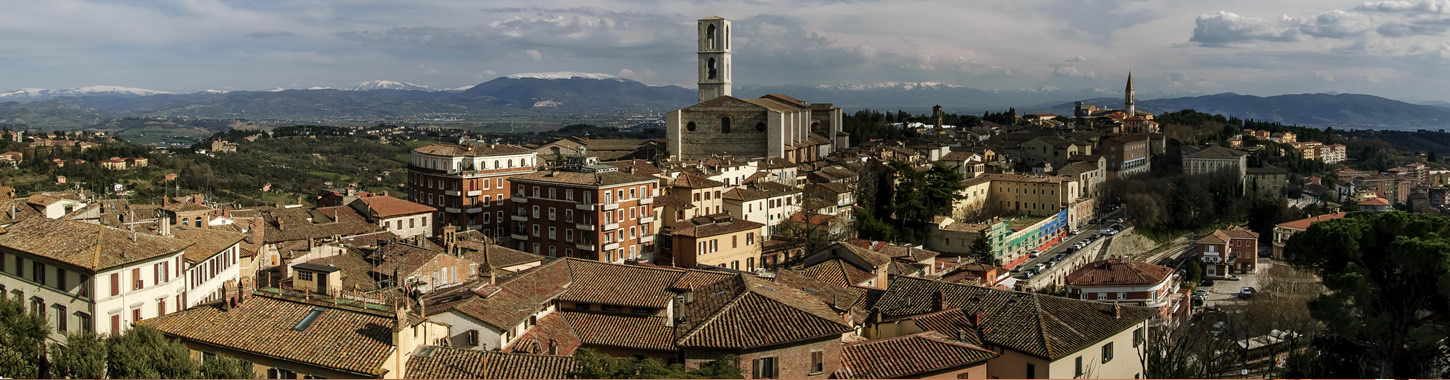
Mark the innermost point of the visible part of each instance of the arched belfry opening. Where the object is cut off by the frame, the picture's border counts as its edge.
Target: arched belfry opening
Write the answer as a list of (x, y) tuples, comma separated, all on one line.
[(711, 37), (712, 70)]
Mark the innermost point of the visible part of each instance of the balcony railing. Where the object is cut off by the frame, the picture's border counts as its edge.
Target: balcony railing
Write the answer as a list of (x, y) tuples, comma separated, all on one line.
[(452, 210), (585, 206), (518, 236), (611, 246), (452, 193), (475, 210), (611, 206), (585, 227), (611, 226), (519, 218), (474, 193), (585, 246), (519, 198), (647, 239), (647, 219), (645, 201)]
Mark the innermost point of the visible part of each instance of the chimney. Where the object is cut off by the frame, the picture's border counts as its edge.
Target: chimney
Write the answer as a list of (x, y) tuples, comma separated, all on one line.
[(163, 226), (1117, 311), (938, 301), (553, 347), (962, 335), (165, 201), (229, 295)]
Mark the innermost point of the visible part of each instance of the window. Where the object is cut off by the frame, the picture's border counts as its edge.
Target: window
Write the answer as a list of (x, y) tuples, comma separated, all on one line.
[(135, 315), (115, 324), (1108, 352), (280, 373), (1078, 365), (1031, 371), (569, 235), (551, 213), (551, 233), (764, 368), (569, 216), (115, 284), (724, 121), (85, 321), (161, 307), (735, 241), (304, 276), (1137, 337), (472, 337), (38, 272), (136, 282), (818, 361), (749, 238)]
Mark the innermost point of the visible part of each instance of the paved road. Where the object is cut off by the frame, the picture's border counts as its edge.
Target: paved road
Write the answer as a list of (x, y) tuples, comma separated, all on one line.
[(1227, 292), (1061, 246)]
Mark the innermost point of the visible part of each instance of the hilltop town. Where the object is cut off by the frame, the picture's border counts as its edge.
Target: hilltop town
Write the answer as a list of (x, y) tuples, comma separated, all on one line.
[(767, 237)]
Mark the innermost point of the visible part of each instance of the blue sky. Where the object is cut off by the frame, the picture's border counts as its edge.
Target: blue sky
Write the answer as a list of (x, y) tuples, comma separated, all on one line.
[(1396, 49)]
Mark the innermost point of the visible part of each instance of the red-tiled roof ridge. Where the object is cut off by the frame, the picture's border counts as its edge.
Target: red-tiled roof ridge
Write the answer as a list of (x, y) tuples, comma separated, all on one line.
[(908, 356), (1119, 272)]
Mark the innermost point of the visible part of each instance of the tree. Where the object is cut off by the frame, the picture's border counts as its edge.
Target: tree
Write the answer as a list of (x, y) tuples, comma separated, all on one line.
[(725, 367), (981, 250), (22, 339), (144, 353), (590, 364), (225, 367), (1195, 272), (82, 356), (1387, 307)]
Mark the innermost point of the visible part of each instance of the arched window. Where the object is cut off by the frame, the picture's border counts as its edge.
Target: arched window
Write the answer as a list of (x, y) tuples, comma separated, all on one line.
[(815, 125), (511, 164), (710, 68), (725, 125), (690, 126), (760, 127), (710, 37), (727, 37)]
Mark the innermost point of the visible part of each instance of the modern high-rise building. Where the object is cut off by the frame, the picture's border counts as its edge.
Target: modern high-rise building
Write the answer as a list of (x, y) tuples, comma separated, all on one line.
[(468, 184)]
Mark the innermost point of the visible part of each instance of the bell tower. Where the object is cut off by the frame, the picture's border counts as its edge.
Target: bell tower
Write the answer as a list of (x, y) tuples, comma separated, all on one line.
[(1128, 97), (714, 56)]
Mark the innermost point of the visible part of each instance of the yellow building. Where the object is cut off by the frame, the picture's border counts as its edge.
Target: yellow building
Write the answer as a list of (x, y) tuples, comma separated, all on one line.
[(719, 240), (1017, 194)]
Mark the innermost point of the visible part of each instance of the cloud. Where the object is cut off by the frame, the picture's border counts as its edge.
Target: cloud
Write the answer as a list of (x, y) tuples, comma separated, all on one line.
[(1425, 6), (534, 54), (1417, 28), (270, 34), (1225, 28), (1074, 72), (639, 76), (1324, 76), (426, 69), (1337, 24)]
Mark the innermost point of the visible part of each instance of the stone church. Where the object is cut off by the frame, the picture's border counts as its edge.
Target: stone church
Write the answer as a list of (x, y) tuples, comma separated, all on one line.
[(774, 125)]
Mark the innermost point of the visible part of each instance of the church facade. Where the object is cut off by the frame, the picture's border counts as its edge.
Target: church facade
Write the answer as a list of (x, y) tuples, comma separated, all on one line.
[(773, 125)]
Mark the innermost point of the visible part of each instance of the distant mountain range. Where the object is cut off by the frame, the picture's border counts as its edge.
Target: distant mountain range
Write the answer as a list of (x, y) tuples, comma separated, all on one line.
[(567, 93)]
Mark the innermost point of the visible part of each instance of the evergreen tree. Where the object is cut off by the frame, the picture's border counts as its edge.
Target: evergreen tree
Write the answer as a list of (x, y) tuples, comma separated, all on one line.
[(82, 356), (144, 353), (22, 339), (1387, 309), (981, 250), (225, 367)]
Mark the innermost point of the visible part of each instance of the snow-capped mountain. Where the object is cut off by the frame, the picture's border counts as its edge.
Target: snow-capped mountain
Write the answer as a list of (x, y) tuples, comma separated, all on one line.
[(561, 75), (887, 85), (390, 85), (38, 94)]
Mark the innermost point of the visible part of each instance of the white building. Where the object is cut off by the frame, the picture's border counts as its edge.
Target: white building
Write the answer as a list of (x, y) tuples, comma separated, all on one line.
[(768, 203), (78, 272), (1215, 158), (213, 258), (402, 218)]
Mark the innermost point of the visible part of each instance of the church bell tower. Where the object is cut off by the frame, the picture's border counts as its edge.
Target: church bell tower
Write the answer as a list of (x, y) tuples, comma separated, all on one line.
[(714, 56), (1128, 97)]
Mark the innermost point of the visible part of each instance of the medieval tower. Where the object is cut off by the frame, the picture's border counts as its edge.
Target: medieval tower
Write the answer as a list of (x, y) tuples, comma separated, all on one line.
[(1127, 97), (714, 56)]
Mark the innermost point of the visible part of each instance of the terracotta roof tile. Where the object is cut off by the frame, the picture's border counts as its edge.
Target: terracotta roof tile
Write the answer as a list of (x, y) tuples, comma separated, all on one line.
[(551, 329), (908, 356), (472, 150), (436, 362), (1039, 325), (624, 285), (1119, 272), (1303, 224), (206, 242), (636, 332), (837, 272), (384, 206), (602, 179), (728, 314), (340, 339), (76, 243), (713, 225), (693, 181)]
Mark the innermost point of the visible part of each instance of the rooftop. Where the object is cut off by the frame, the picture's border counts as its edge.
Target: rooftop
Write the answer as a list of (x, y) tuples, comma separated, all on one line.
[(908, 356), (1119, 272), (436, 362), (385, 206), (479, 150), (206, 242), (1303, 224), (86, 245)]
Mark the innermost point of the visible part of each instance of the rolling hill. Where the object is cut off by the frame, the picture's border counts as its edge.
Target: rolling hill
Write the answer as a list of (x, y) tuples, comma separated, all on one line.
[(1315, 110)]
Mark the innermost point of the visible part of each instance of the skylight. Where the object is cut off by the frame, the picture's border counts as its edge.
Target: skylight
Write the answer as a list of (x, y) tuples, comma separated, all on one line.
[(311, 317)]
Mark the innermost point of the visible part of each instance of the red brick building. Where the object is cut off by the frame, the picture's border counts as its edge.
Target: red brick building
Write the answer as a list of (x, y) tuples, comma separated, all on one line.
[(468, 184), (1233, 250), (586, 210)]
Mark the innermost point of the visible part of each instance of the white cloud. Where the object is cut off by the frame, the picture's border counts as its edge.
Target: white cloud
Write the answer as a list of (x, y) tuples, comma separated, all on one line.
[(1226, 28), (534, 54), (1424, 6)]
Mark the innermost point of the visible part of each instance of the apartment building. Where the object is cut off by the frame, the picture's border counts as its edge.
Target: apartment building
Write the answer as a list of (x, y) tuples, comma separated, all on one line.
[(468, 184), (585, 210), (401, 217), (75, 273), (1129, 282), (720, 240)]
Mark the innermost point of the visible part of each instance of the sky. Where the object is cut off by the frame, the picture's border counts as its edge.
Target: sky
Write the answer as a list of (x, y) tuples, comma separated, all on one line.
[(1395, 49)]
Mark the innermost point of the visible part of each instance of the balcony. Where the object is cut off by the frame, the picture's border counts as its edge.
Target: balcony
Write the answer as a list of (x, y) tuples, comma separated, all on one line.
[(585, 206), (519, 237), (519, 218), (585, 227), (611, 226), (645, 201), (474, 193), (647, 219), (647, 239), (519, 198), (452, 210), (1212, 259), (475, 210), (611, 246), (452, 193), (611, 206), (585, 247)]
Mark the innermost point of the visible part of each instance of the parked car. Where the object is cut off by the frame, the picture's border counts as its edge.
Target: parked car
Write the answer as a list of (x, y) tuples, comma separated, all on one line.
[(1206, 283), (1201, 293), (1231, 278), (1247, 292), (1035, 253), (1041, 266)]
